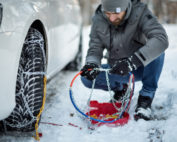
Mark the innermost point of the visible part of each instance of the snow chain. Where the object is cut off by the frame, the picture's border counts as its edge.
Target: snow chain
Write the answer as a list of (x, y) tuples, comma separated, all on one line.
[(41, 109), (125, 101)]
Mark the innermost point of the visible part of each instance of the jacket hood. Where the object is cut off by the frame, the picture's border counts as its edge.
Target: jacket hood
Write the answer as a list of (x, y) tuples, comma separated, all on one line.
[(135, 1), (128, 11)]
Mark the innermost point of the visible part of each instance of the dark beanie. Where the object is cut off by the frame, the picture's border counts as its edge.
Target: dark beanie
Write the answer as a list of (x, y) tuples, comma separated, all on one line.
[(116, 6)]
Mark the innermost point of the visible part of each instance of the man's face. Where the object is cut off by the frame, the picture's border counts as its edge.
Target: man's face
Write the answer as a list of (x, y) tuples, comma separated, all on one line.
[(115, 18)]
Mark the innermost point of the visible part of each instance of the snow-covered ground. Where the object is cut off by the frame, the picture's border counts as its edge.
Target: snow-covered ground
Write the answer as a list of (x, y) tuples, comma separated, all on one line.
[(59, 110)]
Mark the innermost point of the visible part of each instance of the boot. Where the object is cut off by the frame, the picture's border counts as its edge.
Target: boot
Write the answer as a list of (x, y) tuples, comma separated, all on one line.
[(143, 109)]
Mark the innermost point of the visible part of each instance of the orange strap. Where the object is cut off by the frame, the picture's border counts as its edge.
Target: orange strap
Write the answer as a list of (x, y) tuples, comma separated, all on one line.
[(41, 109)]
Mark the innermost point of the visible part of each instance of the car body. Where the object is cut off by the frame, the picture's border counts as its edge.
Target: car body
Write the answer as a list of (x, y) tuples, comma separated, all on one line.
[(60, 23)]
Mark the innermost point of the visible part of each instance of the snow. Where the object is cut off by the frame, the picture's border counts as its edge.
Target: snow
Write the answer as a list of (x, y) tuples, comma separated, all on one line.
[(59, 110)]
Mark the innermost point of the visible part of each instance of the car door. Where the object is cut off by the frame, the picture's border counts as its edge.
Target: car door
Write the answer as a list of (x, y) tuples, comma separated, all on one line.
[(64, 32)]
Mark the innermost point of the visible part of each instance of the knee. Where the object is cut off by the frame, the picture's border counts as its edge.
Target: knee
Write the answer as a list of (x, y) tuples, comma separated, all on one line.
[(87, 83), (160, 59)]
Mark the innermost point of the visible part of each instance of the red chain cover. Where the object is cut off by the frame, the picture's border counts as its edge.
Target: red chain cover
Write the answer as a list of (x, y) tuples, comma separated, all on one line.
[(105, 111)]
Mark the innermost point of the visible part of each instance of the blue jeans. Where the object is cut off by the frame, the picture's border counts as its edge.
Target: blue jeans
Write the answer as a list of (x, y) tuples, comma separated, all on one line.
[(149, 75)]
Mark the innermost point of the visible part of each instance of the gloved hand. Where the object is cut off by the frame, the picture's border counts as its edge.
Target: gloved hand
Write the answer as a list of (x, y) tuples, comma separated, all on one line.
[(90, 75), (126, 65)]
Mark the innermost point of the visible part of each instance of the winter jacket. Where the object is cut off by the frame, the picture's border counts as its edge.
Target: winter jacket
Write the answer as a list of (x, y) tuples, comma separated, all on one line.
[(140, 33)]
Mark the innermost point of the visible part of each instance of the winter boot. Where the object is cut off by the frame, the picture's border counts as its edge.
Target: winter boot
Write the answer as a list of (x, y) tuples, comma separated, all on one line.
[(143, 109), (118, 95)]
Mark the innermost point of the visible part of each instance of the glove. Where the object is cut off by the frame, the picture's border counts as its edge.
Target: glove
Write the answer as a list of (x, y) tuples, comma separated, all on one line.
[(126, 65), (90, 75)]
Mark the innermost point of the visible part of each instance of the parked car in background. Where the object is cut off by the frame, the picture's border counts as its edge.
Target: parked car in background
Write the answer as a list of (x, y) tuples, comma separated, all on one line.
[(38, 38)]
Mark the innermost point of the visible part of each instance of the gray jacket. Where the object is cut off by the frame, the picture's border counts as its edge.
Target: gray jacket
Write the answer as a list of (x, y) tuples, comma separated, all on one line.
[(140, 33)]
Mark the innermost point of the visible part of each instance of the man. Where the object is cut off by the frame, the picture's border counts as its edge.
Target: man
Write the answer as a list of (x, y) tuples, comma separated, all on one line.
[(135, 42)]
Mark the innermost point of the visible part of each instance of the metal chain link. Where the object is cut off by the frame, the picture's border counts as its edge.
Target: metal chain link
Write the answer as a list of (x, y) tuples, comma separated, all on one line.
[(125, 99)]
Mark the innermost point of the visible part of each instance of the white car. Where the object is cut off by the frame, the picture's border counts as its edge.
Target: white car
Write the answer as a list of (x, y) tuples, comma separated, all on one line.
[(38, 38)]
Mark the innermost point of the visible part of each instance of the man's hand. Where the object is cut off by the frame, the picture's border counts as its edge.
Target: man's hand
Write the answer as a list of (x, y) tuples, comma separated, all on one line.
[(90, 74), (126, 65)]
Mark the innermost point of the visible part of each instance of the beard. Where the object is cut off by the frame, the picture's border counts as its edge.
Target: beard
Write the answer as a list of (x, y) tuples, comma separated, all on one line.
[(117, 22)]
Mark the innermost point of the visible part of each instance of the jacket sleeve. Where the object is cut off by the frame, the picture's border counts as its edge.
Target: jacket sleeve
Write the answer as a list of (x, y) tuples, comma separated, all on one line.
[(157, 40), (95, 51)]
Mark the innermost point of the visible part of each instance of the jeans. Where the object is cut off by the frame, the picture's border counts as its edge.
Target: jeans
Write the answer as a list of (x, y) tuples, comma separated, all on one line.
[(149, 75)]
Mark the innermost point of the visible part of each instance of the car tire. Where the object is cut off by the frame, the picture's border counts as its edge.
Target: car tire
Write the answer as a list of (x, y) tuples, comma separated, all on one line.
[(30, 84), (76, 64)]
